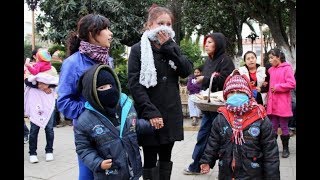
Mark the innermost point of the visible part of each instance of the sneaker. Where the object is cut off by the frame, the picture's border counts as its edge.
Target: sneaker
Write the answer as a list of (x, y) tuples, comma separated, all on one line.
[(33, 159), (26, 139), (49, 156), (195, 122), (186, 171)]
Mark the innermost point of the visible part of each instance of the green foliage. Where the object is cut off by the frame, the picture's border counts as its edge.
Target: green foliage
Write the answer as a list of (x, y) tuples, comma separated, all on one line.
[(183, 81), (242, 63), (56, 47), (192, 51), (62, 55), (57, 65), (223, 16), (120, 66), (280, 16), (126, 18), (28, 50), (122, 73)]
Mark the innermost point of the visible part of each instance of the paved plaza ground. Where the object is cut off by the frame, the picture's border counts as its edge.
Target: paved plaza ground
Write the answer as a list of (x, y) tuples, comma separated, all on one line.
[(65, 166)]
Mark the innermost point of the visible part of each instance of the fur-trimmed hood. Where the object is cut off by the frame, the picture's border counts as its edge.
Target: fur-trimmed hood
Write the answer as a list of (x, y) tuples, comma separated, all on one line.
[(90, 92)]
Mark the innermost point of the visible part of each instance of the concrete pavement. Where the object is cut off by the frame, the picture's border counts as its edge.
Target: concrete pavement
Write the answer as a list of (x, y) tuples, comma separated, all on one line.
[(65, 166)]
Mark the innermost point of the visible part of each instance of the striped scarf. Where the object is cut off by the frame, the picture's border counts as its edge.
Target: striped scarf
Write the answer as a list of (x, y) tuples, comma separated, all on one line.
[(96, 53)]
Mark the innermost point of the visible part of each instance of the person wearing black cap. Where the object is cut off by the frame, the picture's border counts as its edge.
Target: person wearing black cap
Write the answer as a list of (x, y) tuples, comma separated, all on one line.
[(241, 136), (106, 132)]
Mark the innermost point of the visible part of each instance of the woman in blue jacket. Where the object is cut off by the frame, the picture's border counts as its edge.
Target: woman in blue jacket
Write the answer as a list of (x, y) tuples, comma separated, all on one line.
[(86, 47)]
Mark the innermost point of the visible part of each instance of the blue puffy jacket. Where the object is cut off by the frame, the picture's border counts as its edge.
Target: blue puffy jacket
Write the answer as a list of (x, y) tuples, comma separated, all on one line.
[(70, 102), (98, 139)]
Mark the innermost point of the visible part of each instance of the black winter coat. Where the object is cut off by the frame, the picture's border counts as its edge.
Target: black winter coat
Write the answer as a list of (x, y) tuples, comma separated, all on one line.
[(162, 100), (256, 159)]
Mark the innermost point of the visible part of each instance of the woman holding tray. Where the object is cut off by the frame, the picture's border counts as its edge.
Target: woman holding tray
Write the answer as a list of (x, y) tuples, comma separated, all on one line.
[(220, 65)]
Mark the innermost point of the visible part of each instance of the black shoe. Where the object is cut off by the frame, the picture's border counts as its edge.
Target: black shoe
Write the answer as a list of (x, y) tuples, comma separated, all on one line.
[(285, 145), (186, 171), (285, 153)]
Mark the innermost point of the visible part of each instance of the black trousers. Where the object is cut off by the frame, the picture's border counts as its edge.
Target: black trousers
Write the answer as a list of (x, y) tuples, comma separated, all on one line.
[(150, 154)]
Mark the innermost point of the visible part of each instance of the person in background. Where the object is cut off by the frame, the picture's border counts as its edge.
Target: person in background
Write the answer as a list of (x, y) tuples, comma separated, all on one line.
[(26, 133), (279, 107), (292, 120), (154, 67), (106, 132), (42, 64), (241, 136), (257, 75), (32, 59), (86, 47), (33, 55), (39, 102), (194, 88), (220, 65)]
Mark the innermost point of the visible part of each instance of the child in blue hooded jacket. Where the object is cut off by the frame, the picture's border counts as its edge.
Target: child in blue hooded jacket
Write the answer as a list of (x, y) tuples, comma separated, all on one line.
[(106, 132)]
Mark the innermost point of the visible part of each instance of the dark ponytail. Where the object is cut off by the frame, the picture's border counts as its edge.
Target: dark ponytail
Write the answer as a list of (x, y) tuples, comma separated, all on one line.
[(90, 23), (73, 43)]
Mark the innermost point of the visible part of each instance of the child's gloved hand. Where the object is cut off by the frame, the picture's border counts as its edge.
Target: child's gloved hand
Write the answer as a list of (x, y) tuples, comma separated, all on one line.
[(144, 127)]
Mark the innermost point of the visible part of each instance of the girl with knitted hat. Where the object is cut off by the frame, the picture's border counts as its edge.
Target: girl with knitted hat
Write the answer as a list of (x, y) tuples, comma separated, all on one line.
[(39, 101), (241, 136), (39, 104), (43, 62)]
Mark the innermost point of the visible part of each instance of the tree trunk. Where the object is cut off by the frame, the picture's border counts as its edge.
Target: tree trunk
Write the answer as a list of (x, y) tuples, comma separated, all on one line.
[(289, 51), (175, 8)]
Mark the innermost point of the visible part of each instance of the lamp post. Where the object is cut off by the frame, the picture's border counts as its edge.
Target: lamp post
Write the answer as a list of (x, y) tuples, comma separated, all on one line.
[(253, 36), (261, 45), (32, 6)]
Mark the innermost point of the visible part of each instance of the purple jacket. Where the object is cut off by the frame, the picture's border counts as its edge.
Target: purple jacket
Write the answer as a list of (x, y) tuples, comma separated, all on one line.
[(283, 81), (193, 88)]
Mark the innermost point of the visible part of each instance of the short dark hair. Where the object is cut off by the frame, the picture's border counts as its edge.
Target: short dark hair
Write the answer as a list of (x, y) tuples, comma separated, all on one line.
[(278, 53), (199, 68), (34, 52), (248, 52)]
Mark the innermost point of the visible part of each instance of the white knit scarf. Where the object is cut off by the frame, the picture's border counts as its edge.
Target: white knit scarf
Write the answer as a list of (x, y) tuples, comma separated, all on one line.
[(148, 74)]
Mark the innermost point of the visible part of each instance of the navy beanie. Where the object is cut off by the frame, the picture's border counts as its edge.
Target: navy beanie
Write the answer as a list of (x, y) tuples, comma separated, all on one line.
[(108, 98), (105, 77)]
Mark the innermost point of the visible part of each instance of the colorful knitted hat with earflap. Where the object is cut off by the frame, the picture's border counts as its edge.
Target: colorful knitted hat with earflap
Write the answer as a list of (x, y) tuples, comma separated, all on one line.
[(237, 82), (43, 55)]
